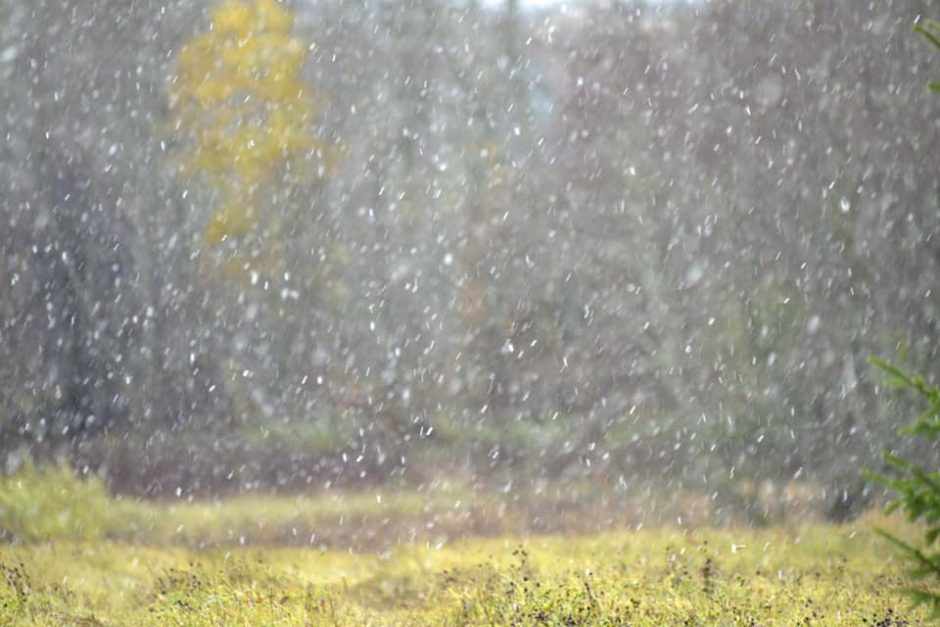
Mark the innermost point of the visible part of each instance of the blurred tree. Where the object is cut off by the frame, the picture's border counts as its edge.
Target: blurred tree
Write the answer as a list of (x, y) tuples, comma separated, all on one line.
[(244, 121), (243, 116), (82, 304)]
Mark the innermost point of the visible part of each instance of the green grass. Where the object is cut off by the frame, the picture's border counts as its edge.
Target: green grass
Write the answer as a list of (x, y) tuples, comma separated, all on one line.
[(75, 556), (813, 575), (53, 504)]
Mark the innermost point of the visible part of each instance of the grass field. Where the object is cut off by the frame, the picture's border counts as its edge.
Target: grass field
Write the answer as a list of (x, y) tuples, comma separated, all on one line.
[(74, 556)]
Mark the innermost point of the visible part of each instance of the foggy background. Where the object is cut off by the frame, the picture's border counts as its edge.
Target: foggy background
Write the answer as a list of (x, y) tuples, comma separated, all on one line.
[(519, 245)]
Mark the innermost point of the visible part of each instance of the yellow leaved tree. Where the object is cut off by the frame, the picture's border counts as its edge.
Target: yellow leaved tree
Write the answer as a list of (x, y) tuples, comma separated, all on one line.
[(245, 122)]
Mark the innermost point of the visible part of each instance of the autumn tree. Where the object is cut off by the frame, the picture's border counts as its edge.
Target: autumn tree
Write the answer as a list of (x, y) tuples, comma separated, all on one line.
[(245, 119), (244, 124)]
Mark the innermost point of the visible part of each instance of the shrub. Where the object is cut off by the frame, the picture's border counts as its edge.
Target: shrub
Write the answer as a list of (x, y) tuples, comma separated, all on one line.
[(52, 503)]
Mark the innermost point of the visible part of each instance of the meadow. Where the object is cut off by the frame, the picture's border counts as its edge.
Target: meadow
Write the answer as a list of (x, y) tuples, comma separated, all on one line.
[(73, 554)]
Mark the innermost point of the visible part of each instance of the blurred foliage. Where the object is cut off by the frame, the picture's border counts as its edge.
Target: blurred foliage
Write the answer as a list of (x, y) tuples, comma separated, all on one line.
[(52, 503), (325, 435), (931, 31), (808, 575), (917, 488), (247, 115)]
